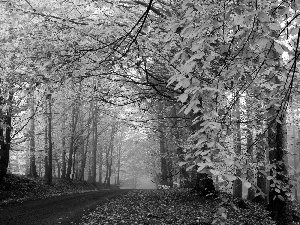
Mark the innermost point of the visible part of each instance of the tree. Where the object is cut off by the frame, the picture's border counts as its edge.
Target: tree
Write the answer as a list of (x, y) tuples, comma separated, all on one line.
[(32, 170), (48, 172), (95, 142), (5, 136)]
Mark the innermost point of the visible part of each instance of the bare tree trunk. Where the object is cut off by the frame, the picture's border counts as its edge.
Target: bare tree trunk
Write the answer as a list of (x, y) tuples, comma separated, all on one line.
[(237, 185), (5, 139), (83, 159), (261, 158), (249, 135), (71, 151), (32, 170), (40, 167), (49, 116), (95, 142), (54, 170), (89, 171), (46, 142), (76, 163), (112, 149), (250, 174), (119, 164), (85, 146), (110, 153), (100, 165), (162, 149), (63, 157), (58, 167), (294, 147)]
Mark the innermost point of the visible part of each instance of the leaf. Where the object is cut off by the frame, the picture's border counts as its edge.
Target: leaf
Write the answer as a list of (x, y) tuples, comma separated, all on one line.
[(205, 152), (183, 97), (278, 121), (294, 31), (277, 190), (196, 56), (263, 42), (228, 161), (269, 178), (281, 198), (201, 166), (247, 183), (197, 46), (188, 109), (238, 20), (278, 48), (176, 57), (195, 81), (224, 215), (182, 163), (190, 168), (222, 210), (185, 83), (263, 17), (230, 177), (274, 26), (214, 172), (215, 221)]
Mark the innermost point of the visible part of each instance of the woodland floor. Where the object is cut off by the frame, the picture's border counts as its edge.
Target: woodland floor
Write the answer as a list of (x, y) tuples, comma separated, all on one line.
[(176, 207), (29, 201)]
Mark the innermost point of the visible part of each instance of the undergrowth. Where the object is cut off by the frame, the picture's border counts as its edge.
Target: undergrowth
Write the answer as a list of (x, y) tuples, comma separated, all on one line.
[(18, 188)]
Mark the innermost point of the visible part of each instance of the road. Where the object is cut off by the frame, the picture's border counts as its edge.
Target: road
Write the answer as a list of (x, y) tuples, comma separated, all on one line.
[(66, 209)]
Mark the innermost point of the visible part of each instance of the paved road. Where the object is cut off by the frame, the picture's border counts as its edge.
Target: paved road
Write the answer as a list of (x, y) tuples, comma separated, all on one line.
[(66, 209)]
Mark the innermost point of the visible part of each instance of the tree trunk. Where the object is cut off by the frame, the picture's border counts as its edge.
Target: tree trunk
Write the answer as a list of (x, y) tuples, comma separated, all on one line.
[(54, 170), (162, 148), (58, 167), (49, 116), (71, 150), (249, 135), (250, 174), (63, 156), (261, 178), (95, 142), (40, 167), (83, 159), (46, 142), (89, 171), (294, 147), (5, 139), (119, 164), (110, 152), (100, 165), (277, 143), (74, 161), (85, 146), (32, 170), (237, 184)]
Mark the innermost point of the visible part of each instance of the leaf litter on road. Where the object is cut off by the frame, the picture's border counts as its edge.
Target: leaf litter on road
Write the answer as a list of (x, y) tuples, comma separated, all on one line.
[(174, 207)]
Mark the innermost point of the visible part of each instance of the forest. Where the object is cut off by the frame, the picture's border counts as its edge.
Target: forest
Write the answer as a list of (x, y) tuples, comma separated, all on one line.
[(186, 94)]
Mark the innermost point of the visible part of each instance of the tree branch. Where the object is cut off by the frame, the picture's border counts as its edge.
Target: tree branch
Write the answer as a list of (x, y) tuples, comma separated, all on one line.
[(152, 8)]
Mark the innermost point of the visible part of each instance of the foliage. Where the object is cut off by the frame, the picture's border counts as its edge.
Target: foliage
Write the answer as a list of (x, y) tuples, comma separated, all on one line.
[(232, 64), (226, 52)]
